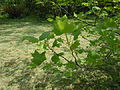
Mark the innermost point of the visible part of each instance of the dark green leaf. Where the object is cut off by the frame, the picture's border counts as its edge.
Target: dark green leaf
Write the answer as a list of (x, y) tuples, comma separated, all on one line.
[(56, 70), (38, 58), (47, 66), (76, 33), (59, 64), (75, 45), (56, 31), (44, 36), (55, 58), (60, 40), (80, 51), (56, 43), (51, 35), (70, 65), (30, 39)]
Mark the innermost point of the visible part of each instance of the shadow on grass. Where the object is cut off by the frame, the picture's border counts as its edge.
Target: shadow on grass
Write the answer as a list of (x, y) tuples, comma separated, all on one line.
[(21, 27)]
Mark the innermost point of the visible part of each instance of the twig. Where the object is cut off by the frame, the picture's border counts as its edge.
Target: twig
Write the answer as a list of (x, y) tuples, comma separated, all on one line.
[(57, 53), (72, 51)]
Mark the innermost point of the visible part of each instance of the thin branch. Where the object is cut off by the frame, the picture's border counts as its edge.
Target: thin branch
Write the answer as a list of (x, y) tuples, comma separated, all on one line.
[(75, 60), (57, 53), (72, 51)]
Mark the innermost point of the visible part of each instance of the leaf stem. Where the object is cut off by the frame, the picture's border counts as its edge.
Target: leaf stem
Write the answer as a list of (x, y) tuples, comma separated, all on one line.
[(72, 51), (67, 39)]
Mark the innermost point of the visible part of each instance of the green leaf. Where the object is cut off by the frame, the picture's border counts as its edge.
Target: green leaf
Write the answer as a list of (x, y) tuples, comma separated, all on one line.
[(70, 65), (59, 64), (51, 35), (50, 19), (47, 66), (95, 8), (56, 43), (109, 22), (80, 51), (30, 39), (40, 46), (76, 33), (69, 27), (44, 35), (63, 25), (67, 73), (56, 30), (55, 70), (60, 40), (75, 45), (81, 15), (38, 58), (75, 15), (93, 58), (55, 58), (85, 4), (45, 45), (32, 66), (60, 25)]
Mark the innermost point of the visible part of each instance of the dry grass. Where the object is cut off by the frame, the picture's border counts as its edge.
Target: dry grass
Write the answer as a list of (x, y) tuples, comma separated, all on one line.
[(15, 54)]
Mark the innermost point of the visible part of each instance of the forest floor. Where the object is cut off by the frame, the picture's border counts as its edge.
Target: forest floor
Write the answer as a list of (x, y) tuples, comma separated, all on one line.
[(15, 54)]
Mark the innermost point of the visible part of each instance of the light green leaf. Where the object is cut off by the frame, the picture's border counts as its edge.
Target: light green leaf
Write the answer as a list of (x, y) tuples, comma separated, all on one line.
[(75, 15), (32, 66), (50, 19), (63, 25), (95, 8)]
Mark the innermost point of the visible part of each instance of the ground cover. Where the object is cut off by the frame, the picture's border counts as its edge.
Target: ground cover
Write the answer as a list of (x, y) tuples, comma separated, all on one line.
[(15, 54)]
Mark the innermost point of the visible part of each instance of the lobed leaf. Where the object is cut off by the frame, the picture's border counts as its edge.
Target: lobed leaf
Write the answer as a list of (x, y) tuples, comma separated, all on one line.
[(38, 58)]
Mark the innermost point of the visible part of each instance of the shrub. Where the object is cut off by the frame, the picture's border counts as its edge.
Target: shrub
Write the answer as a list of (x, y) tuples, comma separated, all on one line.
[(66, 67), (70, 65), (17, 8)]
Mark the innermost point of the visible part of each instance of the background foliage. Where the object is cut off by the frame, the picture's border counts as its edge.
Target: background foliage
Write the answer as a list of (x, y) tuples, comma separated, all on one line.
[(53, 8)]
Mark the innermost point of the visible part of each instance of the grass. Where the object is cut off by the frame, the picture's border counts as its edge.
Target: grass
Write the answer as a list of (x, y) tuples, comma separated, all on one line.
[(15, 54)]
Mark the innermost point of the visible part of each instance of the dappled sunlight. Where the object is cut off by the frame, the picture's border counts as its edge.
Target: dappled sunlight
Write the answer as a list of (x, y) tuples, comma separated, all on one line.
[(13, 52)]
